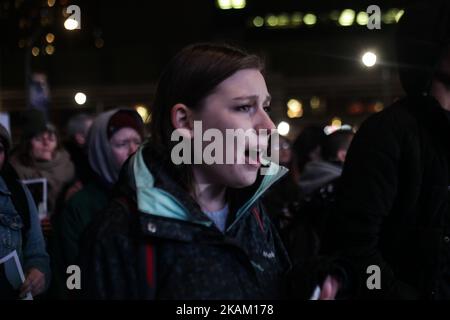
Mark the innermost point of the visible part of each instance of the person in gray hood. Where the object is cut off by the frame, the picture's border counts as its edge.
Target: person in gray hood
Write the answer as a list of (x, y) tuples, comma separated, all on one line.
[(113, 137)]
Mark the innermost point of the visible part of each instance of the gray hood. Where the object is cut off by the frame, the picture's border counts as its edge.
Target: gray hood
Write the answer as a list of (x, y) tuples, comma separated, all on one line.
[(318, 174), (101, 158)]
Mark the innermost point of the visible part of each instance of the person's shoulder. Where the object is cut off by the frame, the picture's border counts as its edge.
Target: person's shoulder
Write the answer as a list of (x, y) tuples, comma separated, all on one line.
[(63, 156), (398, 113), (394, 121), (113, 220), (86, 197)]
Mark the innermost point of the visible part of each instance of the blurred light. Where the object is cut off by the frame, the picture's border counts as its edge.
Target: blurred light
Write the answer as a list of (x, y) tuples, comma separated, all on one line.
[(347, 17), (71, 24), (50, 37), (143, 112), (294, 105), (362, 18), (22, 43), (336, 122), (346, 127), (238, 4), (369, 59), (390, 15), (296, 19), (377, 107), (51, 3), (258, 21), (309, 19), (399, 15), (49, 49), (99, 43), (295, 109), (315, 103), (80, 98), (355, 108), (35, 51), (272, 21), (224, 4), (283, 128), (330, 129), (283, 20), (292, 114)]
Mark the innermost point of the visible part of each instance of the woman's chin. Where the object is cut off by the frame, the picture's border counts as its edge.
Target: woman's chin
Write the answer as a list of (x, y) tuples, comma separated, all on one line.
[(245, 176)]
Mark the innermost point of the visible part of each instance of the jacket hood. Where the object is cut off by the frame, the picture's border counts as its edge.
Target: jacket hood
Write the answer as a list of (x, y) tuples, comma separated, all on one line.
[(156, 199), (318, 174), (100, 154), (422, 35)]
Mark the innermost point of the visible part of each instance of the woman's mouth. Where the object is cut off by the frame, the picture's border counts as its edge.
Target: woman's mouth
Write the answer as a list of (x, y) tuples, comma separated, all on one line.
[(252, 157)]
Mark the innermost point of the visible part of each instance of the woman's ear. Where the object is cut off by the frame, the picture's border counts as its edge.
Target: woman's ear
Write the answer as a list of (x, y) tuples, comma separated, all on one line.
[(181, 118)]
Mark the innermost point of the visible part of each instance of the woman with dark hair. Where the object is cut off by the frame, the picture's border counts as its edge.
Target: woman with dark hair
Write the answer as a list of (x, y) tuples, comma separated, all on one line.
[(20, 230), (39, 155), (194, 231)]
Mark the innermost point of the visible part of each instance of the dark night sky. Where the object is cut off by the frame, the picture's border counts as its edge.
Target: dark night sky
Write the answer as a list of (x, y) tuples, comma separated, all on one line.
[(140, 36)]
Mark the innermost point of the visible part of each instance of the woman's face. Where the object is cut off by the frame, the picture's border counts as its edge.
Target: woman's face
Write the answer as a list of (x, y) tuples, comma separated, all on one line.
[(43, 146), (124, 143), (285, 152), (239, 102)]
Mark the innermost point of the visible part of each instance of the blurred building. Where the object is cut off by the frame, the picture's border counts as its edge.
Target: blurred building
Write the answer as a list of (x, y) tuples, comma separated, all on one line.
[(313, 51)]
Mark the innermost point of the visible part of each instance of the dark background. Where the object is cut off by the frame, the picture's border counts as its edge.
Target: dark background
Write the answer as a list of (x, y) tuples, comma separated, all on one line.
[(119, 52)]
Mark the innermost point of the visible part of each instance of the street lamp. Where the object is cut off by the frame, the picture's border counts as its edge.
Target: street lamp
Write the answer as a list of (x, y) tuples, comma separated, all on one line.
[(71, 24), (80, 98), (283, 128), (369, 59)]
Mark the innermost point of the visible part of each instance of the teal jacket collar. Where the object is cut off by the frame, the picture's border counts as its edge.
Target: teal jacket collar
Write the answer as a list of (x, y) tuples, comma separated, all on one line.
[(158, 202)]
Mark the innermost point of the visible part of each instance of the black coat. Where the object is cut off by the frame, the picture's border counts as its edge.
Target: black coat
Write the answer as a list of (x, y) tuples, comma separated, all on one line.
[(392, 208), (134, 255)]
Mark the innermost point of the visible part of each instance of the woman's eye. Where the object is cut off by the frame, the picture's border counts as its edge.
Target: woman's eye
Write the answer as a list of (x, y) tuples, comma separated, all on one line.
[(245, 108), (268, 109)]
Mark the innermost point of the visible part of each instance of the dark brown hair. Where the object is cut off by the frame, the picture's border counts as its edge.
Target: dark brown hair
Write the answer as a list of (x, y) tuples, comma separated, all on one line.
[(189, 78), (24, 149)]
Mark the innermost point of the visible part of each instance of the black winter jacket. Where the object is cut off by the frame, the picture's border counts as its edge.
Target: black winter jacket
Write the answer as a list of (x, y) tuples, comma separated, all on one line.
[(392, 208), (137, 255)]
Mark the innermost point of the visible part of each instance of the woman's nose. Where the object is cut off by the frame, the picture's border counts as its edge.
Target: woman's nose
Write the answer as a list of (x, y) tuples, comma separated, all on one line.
[(264, 121), (133, 148)]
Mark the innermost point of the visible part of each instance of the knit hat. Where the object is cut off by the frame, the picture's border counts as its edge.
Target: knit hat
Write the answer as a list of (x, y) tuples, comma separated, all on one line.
[(125, 119), (33, 122)]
